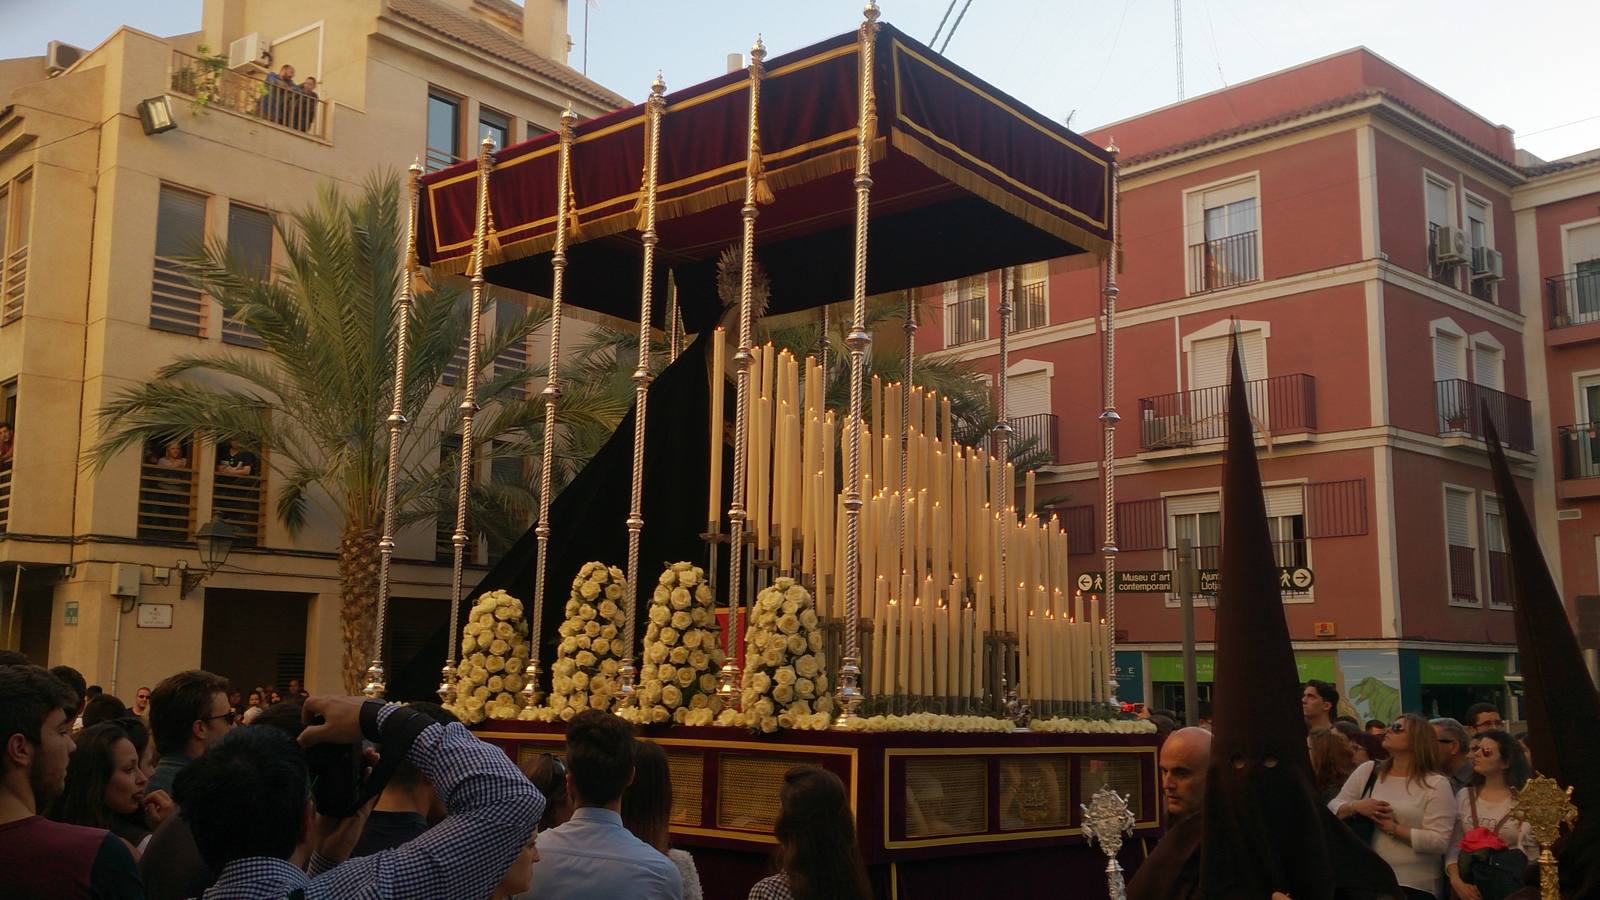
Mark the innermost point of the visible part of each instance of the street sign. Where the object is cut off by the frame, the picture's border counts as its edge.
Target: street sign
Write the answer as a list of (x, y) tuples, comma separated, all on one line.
[(1290, 578), (1151, 581), (1092, 582)]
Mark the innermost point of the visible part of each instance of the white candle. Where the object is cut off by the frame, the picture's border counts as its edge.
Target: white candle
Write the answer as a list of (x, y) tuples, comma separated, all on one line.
[(896, 660), (719, 354)]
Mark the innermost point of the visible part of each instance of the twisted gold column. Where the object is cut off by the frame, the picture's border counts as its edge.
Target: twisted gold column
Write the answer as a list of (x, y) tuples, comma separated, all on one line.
[(859, 339), (1000, 443), (552, 397), (375, 686), (654, 108), (729, 689), (469, 408)]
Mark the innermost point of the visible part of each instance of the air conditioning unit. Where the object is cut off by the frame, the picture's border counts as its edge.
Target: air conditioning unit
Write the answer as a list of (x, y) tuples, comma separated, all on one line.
[(1162, 432), (59, 57), (249, 51), (1490, 266), (1450, 245)]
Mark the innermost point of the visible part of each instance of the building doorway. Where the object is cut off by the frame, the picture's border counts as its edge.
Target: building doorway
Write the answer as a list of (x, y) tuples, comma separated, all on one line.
[(254, 637)]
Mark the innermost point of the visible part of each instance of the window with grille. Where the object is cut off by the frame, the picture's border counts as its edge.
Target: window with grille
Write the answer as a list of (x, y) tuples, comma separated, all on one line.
[(250, 243), (514, 357), (8, 436), (444, 131), (1198, 518), (1499, 561), (1461, 546), (966, 310), (16, 211), (1223, 235), (176, 305), (449, 470), (1286, 521), (166, 491)]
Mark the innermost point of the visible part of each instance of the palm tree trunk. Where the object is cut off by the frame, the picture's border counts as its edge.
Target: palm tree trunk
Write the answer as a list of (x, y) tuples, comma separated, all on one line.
[(358, 595)]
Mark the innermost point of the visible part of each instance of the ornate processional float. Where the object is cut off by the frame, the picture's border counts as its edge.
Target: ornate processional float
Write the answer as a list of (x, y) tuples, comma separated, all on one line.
[(871, 599)]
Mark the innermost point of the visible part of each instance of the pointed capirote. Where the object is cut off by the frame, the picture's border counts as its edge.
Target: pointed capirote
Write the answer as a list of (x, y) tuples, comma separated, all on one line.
[(1559, 699), (1266, 827)]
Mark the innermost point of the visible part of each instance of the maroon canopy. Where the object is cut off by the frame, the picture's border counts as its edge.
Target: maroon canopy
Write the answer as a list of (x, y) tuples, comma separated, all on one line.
[(965, 180)]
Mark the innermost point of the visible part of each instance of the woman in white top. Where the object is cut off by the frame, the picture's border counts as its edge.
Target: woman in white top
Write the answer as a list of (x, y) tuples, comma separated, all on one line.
[(1499, 768), (1410, 803)]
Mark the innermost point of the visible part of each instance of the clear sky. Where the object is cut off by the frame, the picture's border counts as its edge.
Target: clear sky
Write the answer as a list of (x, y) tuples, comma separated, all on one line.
[(1529, 65)]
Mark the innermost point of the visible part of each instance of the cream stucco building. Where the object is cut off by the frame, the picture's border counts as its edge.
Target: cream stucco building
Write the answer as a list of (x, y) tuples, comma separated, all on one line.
[(91, 205)]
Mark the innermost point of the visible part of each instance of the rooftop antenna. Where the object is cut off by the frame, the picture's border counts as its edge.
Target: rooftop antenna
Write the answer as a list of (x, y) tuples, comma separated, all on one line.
[(1177, 29)]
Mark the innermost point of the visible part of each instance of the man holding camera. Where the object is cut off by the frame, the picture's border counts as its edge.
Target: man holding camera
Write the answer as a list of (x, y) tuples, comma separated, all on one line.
[(247, 802)]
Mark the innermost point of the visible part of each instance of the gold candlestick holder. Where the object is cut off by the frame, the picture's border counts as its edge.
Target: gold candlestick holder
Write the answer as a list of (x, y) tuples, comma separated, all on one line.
[(1545, 805)]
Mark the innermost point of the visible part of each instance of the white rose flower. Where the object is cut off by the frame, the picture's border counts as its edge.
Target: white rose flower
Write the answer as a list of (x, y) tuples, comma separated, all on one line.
[(669, 636), (797, 644), (699, 701), (680, 598), (613, 592), (806, 666), (495, 664), (769, 725), (699, 659), (772, 657), (679, 656), (685, 677), (815, 640), (660, 615), (708, 683), (659, 715), (671, 695), (788, 624), (805, 687), (681, 620), (585, 659), (608, 609), (599, 702), (783, 693), (692, 638), (609, 632), (764, 708), (584, 641), (586, 612), (667, 672), (666, 577), (656, 653), (784, 675), (589, 591)]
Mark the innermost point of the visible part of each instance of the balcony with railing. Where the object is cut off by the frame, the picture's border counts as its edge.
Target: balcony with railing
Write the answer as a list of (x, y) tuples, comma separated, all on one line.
[(1574, 298), (1223, 263), (1282, 404), (210, 84), (166, 499), (1038, 431), (1460, 410), (13, 281), (966, 321), (1028, 309), (237, 496), (1499, 578), (5, 495), (1463, 577), (1580, 451)]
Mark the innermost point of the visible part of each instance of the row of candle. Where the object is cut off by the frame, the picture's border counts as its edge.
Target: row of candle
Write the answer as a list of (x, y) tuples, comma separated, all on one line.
[(932, 547)]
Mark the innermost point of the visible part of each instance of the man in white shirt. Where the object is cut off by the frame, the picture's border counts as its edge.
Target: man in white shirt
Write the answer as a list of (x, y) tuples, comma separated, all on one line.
[(593, 855)]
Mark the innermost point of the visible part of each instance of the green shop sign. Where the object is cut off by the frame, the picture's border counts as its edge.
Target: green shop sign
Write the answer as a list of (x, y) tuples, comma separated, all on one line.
[(1169, 667), (1477, 669)]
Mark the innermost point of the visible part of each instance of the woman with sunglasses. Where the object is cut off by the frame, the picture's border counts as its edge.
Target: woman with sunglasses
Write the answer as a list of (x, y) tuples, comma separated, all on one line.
[(1499, 769), (1409, 803)]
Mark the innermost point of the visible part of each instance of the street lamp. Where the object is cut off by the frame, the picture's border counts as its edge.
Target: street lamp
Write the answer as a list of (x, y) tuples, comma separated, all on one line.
[(215, 541)]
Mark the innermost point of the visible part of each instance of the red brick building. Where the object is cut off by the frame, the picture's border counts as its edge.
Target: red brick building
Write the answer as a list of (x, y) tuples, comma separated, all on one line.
[(1363, 229)]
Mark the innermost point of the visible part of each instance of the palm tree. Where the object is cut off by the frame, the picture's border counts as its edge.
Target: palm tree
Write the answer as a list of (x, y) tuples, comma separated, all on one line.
[(317, 400)]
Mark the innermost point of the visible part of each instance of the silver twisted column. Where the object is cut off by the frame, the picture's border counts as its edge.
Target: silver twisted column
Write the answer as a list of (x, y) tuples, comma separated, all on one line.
[(469, 407), (1109, 420), (375, 686)]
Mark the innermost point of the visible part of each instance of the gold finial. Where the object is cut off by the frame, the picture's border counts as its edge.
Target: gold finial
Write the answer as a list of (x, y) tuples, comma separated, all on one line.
[(416, 165), (758, 51), (1111, 146), (871, 11), (1545, 805), (486, 147), (659, 86), (569, 118)]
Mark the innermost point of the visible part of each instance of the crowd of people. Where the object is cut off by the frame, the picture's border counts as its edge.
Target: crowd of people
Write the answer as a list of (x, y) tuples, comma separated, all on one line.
[(1433, 798), (194, 793)]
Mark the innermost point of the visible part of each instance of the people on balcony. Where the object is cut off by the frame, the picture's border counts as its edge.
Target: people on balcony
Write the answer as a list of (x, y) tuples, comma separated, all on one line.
[(234, 459), (274, 103), (172, 456), (303, 105), (6, 435)]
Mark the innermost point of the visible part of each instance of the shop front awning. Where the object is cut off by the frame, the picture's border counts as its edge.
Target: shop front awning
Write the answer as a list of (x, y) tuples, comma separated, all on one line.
[(965, 180)]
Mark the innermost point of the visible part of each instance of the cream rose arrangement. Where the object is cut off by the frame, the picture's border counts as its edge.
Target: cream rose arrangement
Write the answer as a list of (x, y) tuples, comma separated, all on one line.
[(494, 654), (933, 722), (678, 670), (584, 675), (1093, 726), (785, 675)]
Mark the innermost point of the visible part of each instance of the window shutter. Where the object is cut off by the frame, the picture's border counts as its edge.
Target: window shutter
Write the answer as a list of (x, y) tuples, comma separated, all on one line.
[(1288, 500), (1488, 370), (1189, 504), (1583, 244), (1446, 356), (1439, 211), (1209, 359), (1494, 524), (1458, 518), (1028, 394)]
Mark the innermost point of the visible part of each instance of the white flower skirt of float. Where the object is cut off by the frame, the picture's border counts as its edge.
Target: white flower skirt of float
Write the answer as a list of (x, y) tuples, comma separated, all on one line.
[(785, 674), (584, 675), (494, 652), (1093, 726), (678, 681)]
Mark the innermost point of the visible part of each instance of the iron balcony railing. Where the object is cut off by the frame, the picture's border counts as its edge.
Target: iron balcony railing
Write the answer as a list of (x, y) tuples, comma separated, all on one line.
[(209, 83), (966, 321), (1280, 404), (1499, 577), (1460, 406), (1040, 430), (1223, 262), (1028, 309), (5, 494), (1575, 297), (1463, 578), (1580, 451)]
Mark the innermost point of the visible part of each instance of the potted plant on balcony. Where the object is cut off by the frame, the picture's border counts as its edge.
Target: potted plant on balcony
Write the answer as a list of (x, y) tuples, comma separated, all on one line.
[(1455, 420)]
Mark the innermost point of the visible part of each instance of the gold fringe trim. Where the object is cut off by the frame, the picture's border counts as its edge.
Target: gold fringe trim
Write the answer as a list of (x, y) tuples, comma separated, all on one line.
[(967, 180)]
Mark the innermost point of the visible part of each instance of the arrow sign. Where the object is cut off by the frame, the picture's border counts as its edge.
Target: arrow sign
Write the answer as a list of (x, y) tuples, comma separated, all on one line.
[(1092, 582)]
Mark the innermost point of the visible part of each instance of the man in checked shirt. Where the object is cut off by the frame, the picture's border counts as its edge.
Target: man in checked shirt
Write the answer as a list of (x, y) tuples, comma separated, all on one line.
[(254, 821)]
